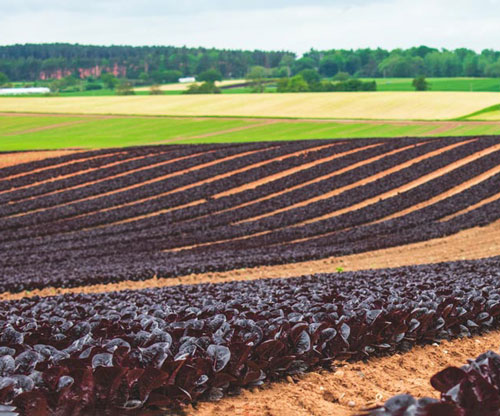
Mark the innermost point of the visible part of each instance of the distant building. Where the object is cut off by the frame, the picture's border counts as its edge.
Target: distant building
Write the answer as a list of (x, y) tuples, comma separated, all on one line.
[(21, 91), (187, 80)]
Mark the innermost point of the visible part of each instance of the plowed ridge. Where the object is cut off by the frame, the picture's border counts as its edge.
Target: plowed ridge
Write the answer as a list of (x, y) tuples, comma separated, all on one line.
[(168, 211)]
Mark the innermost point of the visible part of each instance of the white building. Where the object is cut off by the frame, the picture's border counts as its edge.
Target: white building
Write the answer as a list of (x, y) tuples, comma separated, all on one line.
[(187, 80), (21, 91)]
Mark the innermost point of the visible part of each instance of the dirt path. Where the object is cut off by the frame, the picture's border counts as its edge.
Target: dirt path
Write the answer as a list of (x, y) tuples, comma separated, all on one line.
[(354, 386), (474, 243)]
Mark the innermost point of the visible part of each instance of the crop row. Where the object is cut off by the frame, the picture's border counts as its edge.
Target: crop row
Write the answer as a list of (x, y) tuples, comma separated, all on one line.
[(205, 190), (181, 159), (193, 240), (82, 207), (167, 347), (149, 239), (142, 266), (27, 167), (212, 205)]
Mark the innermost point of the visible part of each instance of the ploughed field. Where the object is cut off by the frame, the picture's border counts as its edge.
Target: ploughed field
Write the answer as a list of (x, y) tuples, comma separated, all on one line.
[(133, 214), (82, 218)]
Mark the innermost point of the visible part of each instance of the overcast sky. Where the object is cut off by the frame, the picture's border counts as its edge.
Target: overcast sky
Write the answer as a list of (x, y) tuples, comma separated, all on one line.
[(295, 25)]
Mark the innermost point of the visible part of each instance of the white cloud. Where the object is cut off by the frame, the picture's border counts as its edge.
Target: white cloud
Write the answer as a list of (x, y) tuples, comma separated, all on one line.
[(292, 25)]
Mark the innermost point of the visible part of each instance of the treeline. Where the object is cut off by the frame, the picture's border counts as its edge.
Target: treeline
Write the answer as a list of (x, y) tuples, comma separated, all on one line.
[(156, 63), (160, 64)]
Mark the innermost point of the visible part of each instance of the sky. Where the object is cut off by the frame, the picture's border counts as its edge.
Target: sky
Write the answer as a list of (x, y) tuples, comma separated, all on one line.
[(293, 25)]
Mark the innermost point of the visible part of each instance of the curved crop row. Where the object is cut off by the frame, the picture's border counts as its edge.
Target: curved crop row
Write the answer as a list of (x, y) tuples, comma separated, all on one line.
[(365, 196), (121, 351)]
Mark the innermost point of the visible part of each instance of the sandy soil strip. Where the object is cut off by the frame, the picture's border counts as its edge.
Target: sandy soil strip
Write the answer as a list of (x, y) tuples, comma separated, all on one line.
[(354, 386), (11, 159), (473, 243)]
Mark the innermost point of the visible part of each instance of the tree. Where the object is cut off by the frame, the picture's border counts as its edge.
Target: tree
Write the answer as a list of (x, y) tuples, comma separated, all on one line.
[(341, 76), (310, 76), (302, 63), (109, 80), (329, 66), (205, 88), (155, 90), (420, 83), (125, 87), (256, 76), (210, 75)]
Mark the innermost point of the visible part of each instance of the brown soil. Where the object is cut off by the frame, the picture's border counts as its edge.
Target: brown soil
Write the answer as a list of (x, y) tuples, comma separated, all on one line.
[(353, 386), (474, 243), (11, 159)]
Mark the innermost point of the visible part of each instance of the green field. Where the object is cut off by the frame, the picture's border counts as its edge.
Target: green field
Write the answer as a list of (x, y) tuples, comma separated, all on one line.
[(19, 132), (439, 84)]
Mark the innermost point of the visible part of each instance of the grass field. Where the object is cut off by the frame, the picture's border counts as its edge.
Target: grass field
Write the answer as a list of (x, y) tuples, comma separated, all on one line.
[(439, 84), (380, 106), (18, 132)]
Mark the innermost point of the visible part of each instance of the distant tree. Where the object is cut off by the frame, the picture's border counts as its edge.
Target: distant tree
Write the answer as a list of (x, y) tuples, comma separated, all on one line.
[(210, 75), (298, 84), (493, 70), (171, 76), (303, 63), (341, 76), (109, 80), (256, 76), (420, 83), (166, 77), (311, 76), (91, 86), (125, 87), (205, 88), (329, 66), (155, 90)]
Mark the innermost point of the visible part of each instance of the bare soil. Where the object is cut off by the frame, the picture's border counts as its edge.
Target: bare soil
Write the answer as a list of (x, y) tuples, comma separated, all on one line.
[(11, 159), (353, 386)]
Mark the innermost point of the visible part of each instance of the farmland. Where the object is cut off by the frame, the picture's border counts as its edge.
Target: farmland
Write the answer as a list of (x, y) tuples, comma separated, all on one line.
[(119, 232), (32, 131), (439, 84), (361, 105), (176, 247)]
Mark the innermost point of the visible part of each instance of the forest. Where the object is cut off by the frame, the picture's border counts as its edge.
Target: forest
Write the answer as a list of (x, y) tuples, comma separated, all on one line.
[(31, 62)]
